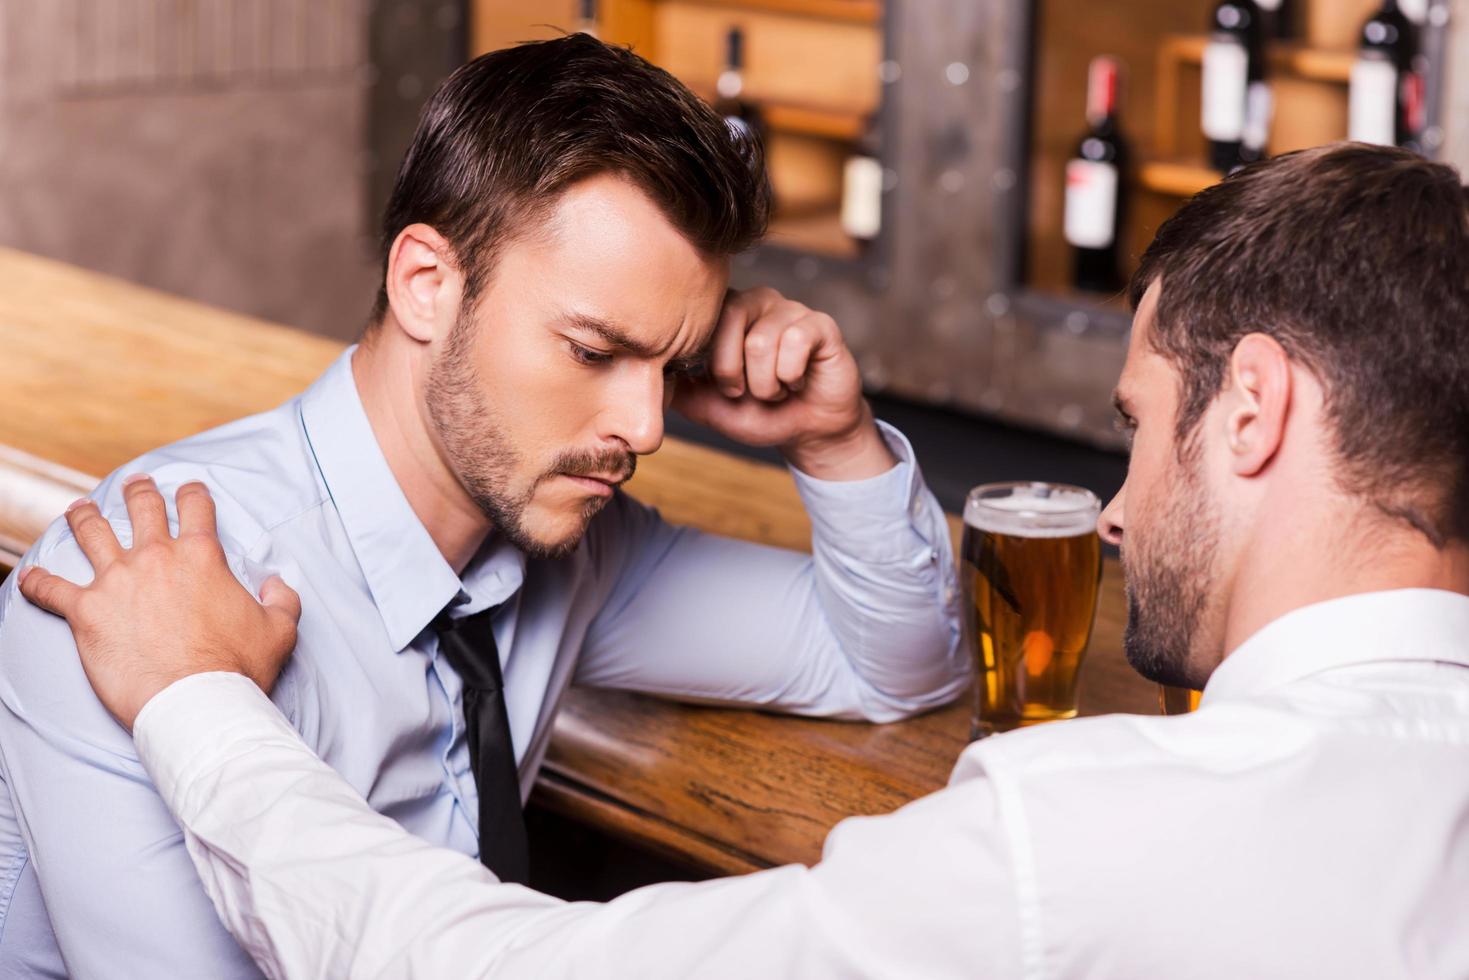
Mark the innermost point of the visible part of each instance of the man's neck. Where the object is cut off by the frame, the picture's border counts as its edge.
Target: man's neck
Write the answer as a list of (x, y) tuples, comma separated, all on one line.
[(389, 378), (1356, 551)]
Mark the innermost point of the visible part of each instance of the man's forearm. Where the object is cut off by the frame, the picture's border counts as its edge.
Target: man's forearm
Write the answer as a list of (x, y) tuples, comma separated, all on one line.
[(313, 883), (885, 580), (305, 875)]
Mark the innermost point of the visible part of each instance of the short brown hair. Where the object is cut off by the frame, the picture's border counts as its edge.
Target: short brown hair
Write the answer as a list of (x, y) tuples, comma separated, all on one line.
[(509, 131), (1356, 259)]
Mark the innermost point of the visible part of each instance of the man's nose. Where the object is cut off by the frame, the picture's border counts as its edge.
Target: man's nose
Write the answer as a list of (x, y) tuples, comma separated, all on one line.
[(637, 415), (1109, 524)]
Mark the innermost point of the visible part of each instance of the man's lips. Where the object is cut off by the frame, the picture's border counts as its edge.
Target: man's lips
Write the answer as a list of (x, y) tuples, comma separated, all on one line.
[(601, 486)]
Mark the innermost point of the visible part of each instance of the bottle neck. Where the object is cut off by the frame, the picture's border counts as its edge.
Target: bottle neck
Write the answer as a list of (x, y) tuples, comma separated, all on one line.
[(731, 81), (1101, 93), (734, 50), (1236, 19)]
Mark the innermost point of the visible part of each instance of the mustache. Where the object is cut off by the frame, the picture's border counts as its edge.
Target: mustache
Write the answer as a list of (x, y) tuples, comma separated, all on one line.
[(615, 465)]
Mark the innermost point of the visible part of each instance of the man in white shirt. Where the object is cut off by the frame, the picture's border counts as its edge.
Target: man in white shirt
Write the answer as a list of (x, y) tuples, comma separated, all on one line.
[(1295, 532)]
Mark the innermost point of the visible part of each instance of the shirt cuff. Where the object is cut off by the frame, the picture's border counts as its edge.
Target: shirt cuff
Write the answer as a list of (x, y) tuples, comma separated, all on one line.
[(189, 729), (889, 517)]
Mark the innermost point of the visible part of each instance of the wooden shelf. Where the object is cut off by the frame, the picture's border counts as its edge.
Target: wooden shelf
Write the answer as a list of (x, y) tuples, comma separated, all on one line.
[(1176, 179), (808, 121), (820, 233), (851, 11), (802, 120), (1285, 59)]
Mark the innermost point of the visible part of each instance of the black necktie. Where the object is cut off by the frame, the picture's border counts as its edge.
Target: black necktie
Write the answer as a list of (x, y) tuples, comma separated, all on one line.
[(469, 645)]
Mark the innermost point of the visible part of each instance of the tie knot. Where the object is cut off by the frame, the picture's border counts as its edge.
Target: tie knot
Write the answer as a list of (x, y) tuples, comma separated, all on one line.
[(468, 642)]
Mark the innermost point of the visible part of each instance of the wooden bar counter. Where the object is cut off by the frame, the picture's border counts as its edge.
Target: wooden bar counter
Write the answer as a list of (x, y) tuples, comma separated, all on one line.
[(97, 371)]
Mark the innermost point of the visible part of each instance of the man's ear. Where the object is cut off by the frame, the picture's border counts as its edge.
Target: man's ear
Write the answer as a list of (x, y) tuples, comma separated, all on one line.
[(422, 282), (1259, 400)]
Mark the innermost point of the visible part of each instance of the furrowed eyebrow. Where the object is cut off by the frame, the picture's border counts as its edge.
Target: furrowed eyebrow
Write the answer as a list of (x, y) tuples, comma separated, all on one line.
[(619, 340), (611, 335), (695, 363)]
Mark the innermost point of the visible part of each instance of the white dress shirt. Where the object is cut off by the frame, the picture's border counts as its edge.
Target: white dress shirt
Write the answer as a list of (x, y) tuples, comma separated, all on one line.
[(1311, 819), (95, 880)]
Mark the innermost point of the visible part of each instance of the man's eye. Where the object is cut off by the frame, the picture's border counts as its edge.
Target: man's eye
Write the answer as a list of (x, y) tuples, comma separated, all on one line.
[(685, 370), (1127, 425), (589, 357)]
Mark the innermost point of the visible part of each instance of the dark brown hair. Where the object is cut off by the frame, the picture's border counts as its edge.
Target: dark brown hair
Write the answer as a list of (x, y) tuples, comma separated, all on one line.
[(509, 131), (1356, 259)]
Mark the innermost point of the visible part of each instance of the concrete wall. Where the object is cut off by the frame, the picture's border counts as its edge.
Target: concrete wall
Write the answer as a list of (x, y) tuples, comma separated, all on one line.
[(211, 148)]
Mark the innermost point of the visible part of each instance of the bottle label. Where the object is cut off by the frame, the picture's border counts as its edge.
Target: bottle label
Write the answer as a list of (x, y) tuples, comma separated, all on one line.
[(862, 197), (1226, 77), (1259, 111), (1268, 5), (1373, 101), (1091, 203)]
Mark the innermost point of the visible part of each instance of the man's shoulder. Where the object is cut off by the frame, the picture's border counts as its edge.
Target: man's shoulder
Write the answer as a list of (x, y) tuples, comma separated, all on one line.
[(259, 470), (43, 688), (1235, 734)]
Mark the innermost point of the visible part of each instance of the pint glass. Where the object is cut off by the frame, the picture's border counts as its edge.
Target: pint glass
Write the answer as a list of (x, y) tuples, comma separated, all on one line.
[(1031, 566), (1178, 700)]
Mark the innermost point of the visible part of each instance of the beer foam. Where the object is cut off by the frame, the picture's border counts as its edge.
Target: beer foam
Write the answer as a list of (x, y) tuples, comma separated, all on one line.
[(1065, 513)]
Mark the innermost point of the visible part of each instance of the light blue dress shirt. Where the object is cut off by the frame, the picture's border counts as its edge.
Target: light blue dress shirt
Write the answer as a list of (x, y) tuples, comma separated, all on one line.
[(94, 877)]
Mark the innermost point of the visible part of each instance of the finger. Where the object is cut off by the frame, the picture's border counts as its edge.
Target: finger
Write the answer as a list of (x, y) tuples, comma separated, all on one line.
[(93, 534), (51, 592), (146, 509), (727, 351), (762, 346), (794, 358), (195, 505), (694, 400), (279, 597)]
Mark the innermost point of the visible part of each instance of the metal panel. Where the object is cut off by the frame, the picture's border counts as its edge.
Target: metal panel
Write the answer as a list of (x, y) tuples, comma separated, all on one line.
[(414, 46)]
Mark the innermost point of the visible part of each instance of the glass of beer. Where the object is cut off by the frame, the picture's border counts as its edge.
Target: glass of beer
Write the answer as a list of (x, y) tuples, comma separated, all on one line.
[(1031, 566), (1178, 700)]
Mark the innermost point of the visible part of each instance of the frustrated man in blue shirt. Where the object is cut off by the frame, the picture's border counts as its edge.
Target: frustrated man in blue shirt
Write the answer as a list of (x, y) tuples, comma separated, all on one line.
[(556, 260)]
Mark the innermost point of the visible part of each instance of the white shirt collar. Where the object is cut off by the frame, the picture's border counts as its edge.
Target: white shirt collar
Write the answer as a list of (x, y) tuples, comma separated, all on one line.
[(1404, 624)]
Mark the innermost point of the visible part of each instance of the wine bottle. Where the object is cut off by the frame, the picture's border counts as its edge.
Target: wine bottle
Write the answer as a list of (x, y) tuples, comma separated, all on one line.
[(586, 18), (1259, 113), (862, 187), (1233, 61), (1094, 185), (1385, 104), (1276, 22), (744, 118)]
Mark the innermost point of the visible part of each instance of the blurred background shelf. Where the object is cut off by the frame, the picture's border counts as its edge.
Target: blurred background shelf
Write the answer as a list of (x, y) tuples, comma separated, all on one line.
[(824, 122), (1295, 60), (820, 233), (853, 11), (1175, 178)]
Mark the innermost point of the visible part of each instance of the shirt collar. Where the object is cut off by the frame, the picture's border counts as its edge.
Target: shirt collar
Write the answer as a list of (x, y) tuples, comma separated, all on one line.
[(1404, 624), (409, 579)]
